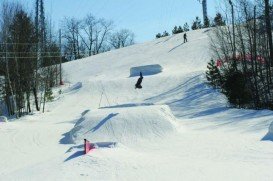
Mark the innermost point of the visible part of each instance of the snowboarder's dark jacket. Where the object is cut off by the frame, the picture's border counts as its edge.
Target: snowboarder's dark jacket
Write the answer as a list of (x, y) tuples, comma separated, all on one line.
[(185, 38), (139, 81)]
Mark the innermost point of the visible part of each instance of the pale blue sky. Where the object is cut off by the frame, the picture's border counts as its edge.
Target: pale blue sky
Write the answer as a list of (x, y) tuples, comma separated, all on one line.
[(145, 18)]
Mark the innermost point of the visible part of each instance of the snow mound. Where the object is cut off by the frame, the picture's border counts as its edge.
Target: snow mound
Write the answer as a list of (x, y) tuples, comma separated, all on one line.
[(269, 135), (146, 70), (124, 125), (3, 119), (271, 128), (74, 87)]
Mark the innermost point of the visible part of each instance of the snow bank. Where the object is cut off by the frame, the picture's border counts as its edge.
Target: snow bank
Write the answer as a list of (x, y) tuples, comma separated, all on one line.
[(269, 135), (271, 128), (124, 125), (74, 87), (3, 119), (146, 70)]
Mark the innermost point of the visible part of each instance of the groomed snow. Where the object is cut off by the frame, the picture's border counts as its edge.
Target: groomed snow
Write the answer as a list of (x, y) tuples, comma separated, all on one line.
[(175, 128), (128, 126)]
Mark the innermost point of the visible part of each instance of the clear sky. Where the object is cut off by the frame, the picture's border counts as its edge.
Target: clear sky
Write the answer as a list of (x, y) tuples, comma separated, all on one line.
[(145, 18)]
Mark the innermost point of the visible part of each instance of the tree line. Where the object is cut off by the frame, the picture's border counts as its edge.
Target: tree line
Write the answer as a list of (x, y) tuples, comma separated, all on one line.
[(218, 20), (242, 66), (28, 67), (32, 53), (91, 36)]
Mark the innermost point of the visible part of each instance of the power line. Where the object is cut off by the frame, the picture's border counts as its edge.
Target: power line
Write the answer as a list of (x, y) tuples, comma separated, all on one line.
[(83, 55), (34, 57), (28, 43), (29, 52)]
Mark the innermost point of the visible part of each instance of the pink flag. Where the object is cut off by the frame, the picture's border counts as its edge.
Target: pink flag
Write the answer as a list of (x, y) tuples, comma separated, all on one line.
[(218, 63), (87, 146)]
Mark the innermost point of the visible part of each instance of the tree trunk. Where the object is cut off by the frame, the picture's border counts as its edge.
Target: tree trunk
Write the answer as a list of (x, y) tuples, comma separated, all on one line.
[(269, 30)]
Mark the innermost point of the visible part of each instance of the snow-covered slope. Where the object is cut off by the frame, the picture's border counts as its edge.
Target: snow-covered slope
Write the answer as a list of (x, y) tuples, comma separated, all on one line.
[(175, 128)]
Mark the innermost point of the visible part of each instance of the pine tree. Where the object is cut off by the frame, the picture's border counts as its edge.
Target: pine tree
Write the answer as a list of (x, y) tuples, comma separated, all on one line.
[(22, 70), (158, 35), (49, 94), (180, 30), (174, 30), (177, 30), (196, 24), (186, 27), (218, 20), (165, 33), (236, 89), (213, 75), (206, 22)]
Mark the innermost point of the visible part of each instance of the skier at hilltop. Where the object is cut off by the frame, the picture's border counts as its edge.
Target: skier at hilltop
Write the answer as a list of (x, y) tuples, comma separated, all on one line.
[(139, 81), (185, 38)]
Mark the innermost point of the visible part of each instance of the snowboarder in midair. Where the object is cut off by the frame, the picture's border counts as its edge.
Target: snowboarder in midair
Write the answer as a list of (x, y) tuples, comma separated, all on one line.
[(185, 38), (139, 81)]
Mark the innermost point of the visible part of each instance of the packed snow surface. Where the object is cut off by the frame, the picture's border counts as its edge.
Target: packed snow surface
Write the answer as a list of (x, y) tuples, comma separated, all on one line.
[(127, 126), (174, 128)]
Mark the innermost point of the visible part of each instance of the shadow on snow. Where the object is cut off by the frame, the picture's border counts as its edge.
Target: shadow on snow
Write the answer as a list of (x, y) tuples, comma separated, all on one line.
[(128, 105), (193, 99)]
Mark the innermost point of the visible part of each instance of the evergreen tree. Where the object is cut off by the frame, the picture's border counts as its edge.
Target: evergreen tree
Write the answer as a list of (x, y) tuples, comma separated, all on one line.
[(165, 33), (158, 35), (180, 30), (206, 23), (22, 70), (49, 94), (218, 20), (174, 30), (236, 89), (196, 24), (213, 75), (177, 30), (186, 27)]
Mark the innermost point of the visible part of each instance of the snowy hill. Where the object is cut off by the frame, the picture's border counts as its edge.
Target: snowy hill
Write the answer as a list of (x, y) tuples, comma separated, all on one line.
[(127, 125), (175, 128)]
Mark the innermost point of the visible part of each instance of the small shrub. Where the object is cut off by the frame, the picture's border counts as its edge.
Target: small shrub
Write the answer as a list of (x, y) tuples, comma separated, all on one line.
[(236, 89), (49, 95), (213, 75)]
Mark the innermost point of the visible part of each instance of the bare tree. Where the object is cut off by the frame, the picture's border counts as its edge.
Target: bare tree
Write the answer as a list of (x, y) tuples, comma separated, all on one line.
[(92, 36), (72, 36), (102, 32), (122, 38), (268, 29), (88, 38)]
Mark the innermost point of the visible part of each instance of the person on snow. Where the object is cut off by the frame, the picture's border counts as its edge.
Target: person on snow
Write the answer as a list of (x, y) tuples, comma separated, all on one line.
[(139, 81), (185, 38)]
